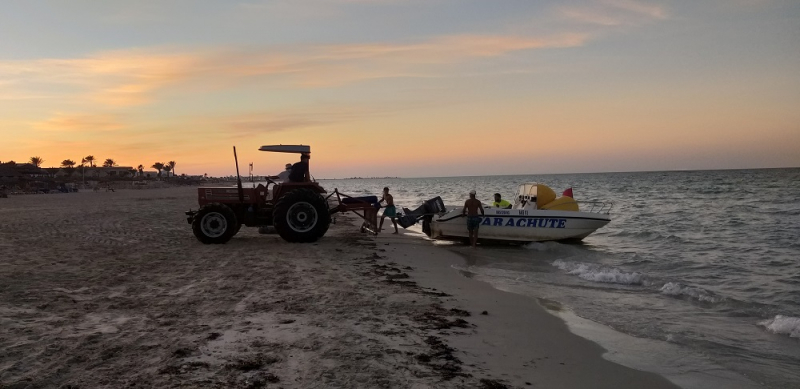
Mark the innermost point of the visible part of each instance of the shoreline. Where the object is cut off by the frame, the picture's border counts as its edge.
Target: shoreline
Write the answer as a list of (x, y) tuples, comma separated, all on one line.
[(517, 341), (641, 355)]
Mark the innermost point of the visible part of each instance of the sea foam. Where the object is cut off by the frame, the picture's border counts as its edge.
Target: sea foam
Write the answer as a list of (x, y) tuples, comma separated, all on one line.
[(549, 246), (677, 289), (597, 273), (782, 325)]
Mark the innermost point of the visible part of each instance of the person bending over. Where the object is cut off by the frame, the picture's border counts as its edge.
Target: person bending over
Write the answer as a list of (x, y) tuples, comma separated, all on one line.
[(389, 211)]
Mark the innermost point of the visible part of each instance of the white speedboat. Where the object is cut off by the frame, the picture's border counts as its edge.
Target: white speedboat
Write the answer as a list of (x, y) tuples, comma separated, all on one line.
[(537, 215)]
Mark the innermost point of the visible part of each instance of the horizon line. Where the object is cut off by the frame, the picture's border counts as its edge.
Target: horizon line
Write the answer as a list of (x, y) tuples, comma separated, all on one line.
[(555, 174)]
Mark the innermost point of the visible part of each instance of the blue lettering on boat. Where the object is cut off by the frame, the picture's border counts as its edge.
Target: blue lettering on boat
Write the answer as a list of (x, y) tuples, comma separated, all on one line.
[(524, 222)]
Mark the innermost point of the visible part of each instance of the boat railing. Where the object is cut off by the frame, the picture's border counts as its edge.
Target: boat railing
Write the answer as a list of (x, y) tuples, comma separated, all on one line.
[(596, 206)]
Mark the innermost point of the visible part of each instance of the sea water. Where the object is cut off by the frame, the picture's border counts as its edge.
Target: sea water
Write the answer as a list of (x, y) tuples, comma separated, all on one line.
[(705, 261)]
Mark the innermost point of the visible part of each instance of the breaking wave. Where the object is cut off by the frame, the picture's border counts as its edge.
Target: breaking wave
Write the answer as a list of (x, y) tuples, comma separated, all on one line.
[(597, 273), (553, 247), (782, 325), (677, 289)]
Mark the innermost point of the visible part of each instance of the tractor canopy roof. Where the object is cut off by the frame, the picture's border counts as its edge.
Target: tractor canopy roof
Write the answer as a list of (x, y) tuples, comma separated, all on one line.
[(297, 149)]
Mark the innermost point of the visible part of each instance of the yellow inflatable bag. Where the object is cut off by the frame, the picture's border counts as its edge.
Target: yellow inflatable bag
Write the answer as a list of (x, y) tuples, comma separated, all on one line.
[(562, 203), (544, 195)]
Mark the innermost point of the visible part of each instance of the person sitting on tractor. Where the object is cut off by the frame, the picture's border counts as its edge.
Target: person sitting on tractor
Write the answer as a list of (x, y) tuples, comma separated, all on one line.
[(300, 170), (284, 175)]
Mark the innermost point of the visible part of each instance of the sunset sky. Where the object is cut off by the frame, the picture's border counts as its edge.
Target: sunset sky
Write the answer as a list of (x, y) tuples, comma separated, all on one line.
[(407, 88)]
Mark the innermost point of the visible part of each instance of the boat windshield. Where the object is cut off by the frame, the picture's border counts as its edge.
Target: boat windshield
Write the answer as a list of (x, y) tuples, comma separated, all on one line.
[(526, 196)]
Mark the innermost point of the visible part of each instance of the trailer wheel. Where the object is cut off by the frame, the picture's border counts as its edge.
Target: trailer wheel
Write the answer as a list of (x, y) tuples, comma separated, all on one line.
[(215, 224), (301, 216)]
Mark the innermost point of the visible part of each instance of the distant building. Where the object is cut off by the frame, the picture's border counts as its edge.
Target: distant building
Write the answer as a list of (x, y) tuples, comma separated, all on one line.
[(94, 172), (9, 175), (31, 171), (24, 174)]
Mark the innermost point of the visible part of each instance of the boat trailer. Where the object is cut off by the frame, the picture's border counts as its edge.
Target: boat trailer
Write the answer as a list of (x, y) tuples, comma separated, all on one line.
[(365, 207)]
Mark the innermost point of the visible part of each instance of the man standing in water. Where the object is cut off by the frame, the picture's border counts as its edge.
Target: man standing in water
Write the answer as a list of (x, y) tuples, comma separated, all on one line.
[(390, 210), (471, 207)]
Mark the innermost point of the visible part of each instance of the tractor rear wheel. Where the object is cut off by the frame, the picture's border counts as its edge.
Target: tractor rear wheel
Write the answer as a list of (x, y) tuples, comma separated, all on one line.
[(215, 224), (301, 216)]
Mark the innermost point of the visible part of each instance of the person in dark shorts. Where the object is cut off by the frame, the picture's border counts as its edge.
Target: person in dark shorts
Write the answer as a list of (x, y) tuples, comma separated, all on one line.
[(389, 211), (300, 170), (471, 208)]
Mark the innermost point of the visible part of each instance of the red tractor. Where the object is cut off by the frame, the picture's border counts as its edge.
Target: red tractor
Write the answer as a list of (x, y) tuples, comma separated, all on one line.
[(298, 211)]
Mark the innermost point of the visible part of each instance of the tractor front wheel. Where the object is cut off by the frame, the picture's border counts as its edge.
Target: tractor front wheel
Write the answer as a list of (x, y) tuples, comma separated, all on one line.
[(215, 224), (301, 216)]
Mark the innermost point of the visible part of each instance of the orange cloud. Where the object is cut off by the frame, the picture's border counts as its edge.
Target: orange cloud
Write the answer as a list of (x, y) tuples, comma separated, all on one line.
[(615, 13), (85, 98), (117, 78), (81, 122), (134, 77), (450, 49), (638, 7)]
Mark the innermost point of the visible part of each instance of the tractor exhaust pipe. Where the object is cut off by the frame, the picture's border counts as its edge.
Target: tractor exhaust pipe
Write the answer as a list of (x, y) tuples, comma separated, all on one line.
[(238, 177)]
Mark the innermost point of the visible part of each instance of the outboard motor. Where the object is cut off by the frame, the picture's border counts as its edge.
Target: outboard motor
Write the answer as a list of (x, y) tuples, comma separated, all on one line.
[(425, 212)]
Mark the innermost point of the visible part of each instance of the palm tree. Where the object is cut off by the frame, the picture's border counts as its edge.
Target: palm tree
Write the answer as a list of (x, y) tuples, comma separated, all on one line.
[(37, 161), (158, 166), (171, 165), (140, 168), (109, 163), (83, 170), (90, 160), (167, 169), (69, 166)]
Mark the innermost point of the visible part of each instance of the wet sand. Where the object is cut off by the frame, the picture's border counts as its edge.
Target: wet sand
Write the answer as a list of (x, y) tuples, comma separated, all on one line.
[(111, 289), (512, 337)]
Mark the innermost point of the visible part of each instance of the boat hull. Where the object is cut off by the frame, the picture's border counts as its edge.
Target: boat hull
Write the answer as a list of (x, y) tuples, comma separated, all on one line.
[(520, 225)]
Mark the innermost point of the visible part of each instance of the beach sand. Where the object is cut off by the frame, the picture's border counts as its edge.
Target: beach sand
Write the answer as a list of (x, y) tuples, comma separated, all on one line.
[(111, 289)]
